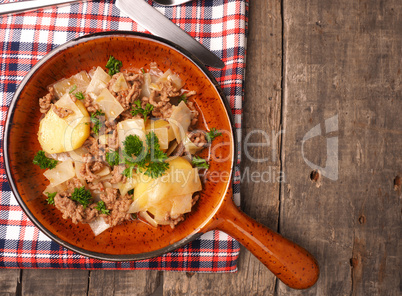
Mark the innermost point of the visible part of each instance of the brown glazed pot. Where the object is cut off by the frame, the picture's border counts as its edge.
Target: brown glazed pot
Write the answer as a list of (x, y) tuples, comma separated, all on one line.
[(135, 240)]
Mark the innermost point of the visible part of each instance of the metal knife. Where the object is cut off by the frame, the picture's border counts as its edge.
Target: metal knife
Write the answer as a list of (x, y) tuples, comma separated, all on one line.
[(156, 23), (20, 6)]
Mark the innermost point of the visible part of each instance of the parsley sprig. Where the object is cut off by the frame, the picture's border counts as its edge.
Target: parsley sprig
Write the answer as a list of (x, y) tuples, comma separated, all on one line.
[(148, 159), (82, 196), (212, 134), (44, 162), (73, 89), (137, 109), (79, 95), (50, 197), (183, 98), (113, 65), (199, 162), (96, 121), (101, 207), (113, 158)]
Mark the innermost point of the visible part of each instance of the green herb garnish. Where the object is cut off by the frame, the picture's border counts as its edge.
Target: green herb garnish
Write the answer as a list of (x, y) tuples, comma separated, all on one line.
[(199, 162), (101, 207), (50, 197), (137, 109), (142, 70), (82, 196), (72, 89), (95, 120), (113, 65), (183, 98), (130, 192), (112, 158), (133, 146), (212, 134), (79, 95), (44, 162), (150, 159)]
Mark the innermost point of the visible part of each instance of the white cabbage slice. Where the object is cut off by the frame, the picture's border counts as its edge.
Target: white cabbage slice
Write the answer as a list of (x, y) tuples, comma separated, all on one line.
[(120, 84), (190, 146), (98, 225), (109, 104), (171, 77), (63, 171), (75, 84), (145, 90), (98, 82), (180, 121), (130, 127)]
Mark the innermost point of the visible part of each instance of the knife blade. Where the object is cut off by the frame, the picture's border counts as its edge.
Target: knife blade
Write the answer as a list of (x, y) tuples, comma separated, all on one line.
[(156, 23), (22, 6)]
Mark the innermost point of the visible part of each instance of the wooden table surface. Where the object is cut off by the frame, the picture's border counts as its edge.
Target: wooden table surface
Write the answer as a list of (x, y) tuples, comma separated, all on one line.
[(323, 92)]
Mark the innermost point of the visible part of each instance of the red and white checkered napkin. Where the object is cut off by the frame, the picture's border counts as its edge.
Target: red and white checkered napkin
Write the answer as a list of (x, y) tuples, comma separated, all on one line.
[(221, 25)]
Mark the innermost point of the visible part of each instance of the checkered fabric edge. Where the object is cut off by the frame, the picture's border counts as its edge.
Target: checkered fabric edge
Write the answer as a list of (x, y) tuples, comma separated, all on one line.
[(221, 25)]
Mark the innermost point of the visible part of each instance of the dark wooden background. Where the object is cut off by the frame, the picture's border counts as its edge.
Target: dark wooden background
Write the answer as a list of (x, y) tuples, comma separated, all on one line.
[(307, 61)]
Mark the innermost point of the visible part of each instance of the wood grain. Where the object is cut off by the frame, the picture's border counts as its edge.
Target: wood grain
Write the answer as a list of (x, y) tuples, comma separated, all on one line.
[(9, 282), (54, 282), (119, 282), (261, 111), (344, 58)]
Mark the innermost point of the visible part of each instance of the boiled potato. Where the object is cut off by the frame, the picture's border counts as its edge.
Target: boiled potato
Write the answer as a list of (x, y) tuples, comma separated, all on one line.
[(64, 134)]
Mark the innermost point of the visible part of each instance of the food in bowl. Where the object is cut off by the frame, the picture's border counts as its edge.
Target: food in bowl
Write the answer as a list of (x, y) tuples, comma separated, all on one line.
[(121, 145)]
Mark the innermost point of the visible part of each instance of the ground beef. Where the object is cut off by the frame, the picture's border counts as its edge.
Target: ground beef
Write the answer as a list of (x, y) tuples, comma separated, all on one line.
[(46, 102), (198, 138), (118, 211), (110, 196), (126, 98), (90, 105), (93, 147), (96, 186), (194, 113), (162, 109), (73, 183), (117, 175), (173, 221), (110, 126), (113, 141), (62, 112), (73, 210), (196, 197), (90, 167)]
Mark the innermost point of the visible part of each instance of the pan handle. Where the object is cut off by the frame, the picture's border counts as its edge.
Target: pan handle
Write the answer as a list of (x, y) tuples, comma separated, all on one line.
[(292, 264)]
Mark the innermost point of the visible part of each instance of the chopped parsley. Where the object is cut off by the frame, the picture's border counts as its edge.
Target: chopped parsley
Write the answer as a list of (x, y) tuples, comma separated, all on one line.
[(150, 159), (142, 70), (44, 162), (79, 95), (95, 120), (212, 134), (112, 158), (199, 162), (113, 65), (72, 89), (101, 207), (50, 197), (137, 109), (82, 196), (130, 192), (133, 146), (128, 172), (183, 98)]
